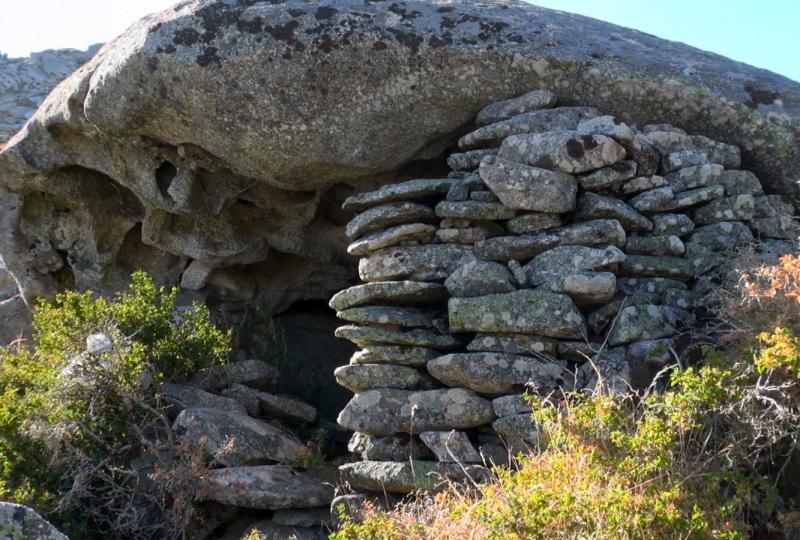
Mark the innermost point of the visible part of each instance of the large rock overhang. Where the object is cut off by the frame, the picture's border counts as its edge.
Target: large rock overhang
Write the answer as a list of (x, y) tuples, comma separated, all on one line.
[(283, 105)]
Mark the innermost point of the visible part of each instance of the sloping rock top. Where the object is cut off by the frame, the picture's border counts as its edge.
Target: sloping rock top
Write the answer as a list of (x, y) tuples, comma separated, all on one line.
[(227, 134)]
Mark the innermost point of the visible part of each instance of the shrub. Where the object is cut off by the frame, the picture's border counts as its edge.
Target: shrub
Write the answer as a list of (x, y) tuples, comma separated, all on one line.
[(701, 459), (84, 437)]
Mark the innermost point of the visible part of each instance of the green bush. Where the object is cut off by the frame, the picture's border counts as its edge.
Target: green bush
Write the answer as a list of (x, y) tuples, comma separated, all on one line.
[(72, 424)]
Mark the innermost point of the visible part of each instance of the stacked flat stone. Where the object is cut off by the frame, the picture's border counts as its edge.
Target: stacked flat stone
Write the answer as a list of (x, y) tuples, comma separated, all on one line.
[(561, 236)]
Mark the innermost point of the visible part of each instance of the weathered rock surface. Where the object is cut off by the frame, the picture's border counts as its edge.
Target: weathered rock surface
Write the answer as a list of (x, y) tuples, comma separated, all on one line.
[(565, 151), (386, 215), (571, 259), (451, 446), (514, 344), (479, 278), (267, 487), (388, 411), (363, 377), (154, 178), (426, 262), (23, 523), (522, 187), (389, 448), (405, 477), (253, 373), (389, 292), (372, 335), (190, 397), (537, 99), (392, 354)]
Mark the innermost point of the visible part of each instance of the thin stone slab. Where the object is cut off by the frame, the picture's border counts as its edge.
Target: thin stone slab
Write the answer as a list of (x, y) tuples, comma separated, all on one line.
[(266, 487), (571, 259), (724, 236), (499, 373), (692, 197), (451, 446), (388, 215), (537, 312), (479, 278), (667, 142), (532, 122), (389, 448), (253, 373), (393, 354), (387, 411), (511, 405), (395, 477), (655, 245), (469, 235), (467, 161), (366, 336), (735, 208), (264, 404), (654, 200), (410, 232), (608, 178), (740, 183), (405, 191), (586, 288), (530, 223), (414, 263), (672, 224), (181, 397), (474, 210), (636, 323), (502, 110), (362, 377), (507, 248), (643, 183), (389, 292), (485, 196), (682, 159), (694, 177), (525, 344), (522, 187), (609, 126), (391, 315), (598, 232), (593, 206), (255, 441), (565, 151), (651, 266)]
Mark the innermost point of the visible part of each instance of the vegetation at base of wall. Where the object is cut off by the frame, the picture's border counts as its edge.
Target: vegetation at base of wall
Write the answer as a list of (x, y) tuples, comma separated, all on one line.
[(705, 458), (84, 437)]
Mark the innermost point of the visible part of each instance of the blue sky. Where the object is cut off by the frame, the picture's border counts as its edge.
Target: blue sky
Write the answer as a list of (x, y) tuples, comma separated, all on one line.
[(765, 34)]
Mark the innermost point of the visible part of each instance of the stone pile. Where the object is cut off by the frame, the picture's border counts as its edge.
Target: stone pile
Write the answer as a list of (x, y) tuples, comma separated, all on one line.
[(561, 236), (25, 82)]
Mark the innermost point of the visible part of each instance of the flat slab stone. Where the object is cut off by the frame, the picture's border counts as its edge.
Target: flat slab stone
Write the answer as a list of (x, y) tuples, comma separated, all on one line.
[(565, 151), (608, 178), (253, 373), (394, 477), (392, 315), (642, 183), (254, 441), (362, 377), (398, 447), (647, 290), (594, 206), (657, 266), (469, 160), (511, 405), (468, 235), (388, 215), (655, 245), (389, 292), (451, 446), (735, 208), (414, 263), (526, 311), (474, 210), (718, 152), (523, 187), (560, 118), (266, 487), (740, 183), (410, 232), (498, 373), (694, 177), (529, 223), (507, 248), (645, 322), (501, 110), (387, 411), (19, 522), (394, 354), (571, 259), (182, 397), (598, 232), (586, 288), (609, 126), (773, 205), (722, 236), (479, 278), (654, 200), (514, 344), (405, 191), (367, 336), (264, 404), (672, 224), (486, 196), (692, 197), (519, 431)]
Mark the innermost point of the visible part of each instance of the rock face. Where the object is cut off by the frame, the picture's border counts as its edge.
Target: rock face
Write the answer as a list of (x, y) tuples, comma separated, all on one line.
[(18, 521), (25, 82), (584, 285), (179, 146)]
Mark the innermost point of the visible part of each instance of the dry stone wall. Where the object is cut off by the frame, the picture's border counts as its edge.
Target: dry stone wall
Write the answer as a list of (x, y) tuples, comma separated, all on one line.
[(561, 236)]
